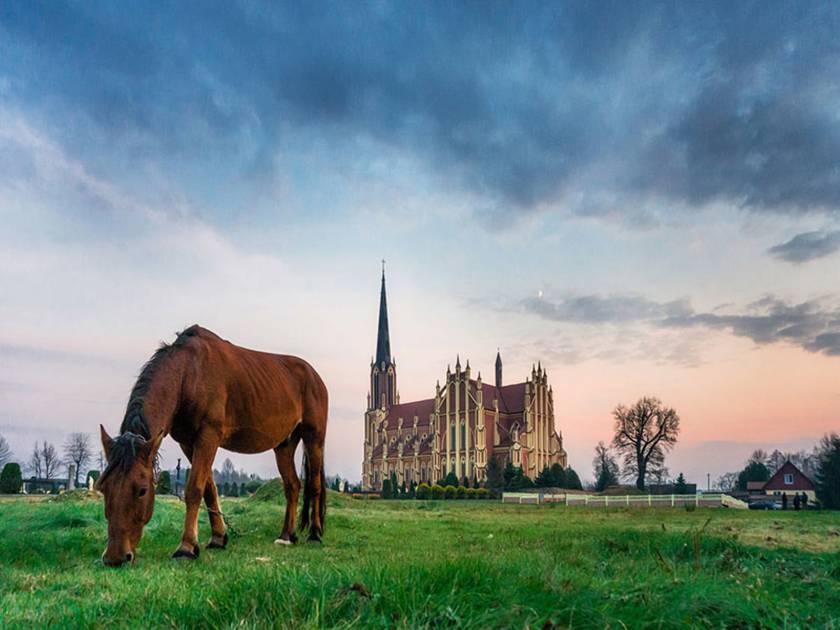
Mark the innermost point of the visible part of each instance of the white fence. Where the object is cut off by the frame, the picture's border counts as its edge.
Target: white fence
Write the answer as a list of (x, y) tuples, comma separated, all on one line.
[(642, 501)]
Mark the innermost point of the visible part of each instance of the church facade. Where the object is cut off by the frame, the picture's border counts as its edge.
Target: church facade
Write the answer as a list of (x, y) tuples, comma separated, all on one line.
[(466, 423)]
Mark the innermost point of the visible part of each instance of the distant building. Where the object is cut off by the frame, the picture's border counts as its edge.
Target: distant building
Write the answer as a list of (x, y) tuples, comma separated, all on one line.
[(789, 479), (466, 423)]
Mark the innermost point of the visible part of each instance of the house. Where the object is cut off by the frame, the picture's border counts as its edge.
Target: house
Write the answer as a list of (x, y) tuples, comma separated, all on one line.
[(791, 481)]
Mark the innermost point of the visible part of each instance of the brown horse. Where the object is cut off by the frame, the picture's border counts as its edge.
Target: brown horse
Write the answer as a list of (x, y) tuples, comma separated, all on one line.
[(208, 393)]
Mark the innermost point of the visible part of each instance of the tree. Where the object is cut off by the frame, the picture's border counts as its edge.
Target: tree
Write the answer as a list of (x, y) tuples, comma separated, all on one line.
[(44, 461), (386, 492), (643, 433), (680, 487), (494, 475), (754, 471), (228, 470), (828, 472), (572, 480), (451, 479), (727, 482), (423, 491), (759, 456), (395, 489), (5, 451), (605, 468), (234, 489), (164, 484), (11, 479), (558, 475), (77, 451), (545, 479)]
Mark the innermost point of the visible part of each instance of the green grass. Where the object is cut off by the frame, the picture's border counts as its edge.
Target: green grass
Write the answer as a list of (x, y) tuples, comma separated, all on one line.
[(428, 564)]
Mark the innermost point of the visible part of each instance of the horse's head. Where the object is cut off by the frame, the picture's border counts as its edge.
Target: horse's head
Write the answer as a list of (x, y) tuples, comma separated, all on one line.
[(128, 484)]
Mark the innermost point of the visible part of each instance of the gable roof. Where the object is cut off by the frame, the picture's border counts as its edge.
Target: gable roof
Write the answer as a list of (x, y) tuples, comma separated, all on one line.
[(800, 479)]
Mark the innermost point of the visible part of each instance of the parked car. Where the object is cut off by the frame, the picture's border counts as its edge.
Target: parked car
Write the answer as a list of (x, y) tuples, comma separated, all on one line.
[(765, 504)]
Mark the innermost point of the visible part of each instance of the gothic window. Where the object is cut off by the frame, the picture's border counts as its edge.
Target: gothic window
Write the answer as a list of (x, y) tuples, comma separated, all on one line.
[(452, 435), (463, 435)]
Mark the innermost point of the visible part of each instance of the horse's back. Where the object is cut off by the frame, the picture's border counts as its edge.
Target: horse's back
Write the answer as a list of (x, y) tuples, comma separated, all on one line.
[(259, 397)]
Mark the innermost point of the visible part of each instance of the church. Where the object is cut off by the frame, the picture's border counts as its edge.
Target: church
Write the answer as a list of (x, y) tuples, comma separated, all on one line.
[(466, 423)]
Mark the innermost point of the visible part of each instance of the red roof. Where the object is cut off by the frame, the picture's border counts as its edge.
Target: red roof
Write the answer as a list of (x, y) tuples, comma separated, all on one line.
[(789, 472), (407, 411), (511, 397)]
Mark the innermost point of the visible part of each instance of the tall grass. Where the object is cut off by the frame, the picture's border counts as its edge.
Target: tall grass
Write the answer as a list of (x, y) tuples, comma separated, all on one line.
[(422, 565)]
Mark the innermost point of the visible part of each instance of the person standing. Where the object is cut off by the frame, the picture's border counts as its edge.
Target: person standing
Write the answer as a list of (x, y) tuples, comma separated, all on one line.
[(784, 500), (796, 502)]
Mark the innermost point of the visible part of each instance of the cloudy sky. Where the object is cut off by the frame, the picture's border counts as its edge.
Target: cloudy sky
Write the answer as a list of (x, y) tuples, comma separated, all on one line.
[(644, 197)]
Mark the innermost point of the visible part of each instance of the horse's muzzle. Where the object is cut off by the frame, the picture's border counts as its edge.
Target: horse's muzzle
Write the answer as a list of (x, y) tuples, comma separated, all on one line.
[(118, 561)]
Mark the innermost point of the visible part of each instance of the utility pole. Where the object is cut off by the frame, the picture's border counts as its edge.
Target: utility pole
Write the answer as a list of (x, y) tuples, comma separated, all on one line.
[(708, 482), (178, 478)]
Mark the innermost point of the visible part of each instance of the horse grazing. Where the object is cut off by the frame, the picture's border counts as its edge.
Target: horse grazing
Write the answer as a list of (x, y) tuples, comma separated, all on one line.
[(208, 393)]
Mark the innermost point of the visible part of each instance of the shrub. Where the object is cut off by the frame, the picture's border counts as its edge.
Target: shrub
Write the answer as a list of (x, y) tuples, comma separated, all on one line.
[(483, 493), (438, 492), (424, 491), (472, 493), (164, 484), (11, 478), (460, 492), (449, 492)]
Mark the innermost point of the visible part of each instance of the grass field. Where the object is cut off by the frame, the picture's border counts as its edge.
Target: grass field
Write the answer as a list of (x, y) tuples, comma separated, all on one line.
[(437, 564)]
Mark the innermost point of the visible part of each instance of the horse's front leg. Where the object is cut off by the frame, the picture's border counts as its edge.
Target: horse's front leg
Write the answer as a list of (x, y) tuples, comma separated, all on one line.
[(203, 454), (219, 538)]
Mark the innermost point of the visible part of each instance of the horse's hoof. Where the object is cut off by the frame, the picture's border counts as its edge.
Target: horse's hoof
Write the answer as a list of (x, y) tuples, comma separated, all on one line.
[(189, 555), (314, 539), (282, 541), (214, 544)]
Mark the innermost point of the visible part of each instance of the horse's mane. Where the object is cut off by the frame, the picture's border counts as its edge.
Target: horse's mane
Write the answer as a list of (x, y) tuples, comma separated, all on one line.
[(134, 430)]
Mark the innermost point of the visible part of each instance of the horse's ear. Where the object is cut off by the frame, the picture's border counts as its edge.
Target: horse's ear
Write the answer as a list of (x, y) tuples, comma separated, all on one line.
[(106, 441), (151, 447)]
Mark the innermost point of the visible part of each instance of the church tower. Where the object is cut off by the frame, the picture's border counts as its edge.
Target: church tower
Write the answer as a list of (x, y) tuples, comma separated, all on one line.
[(383, 369), (498, 369)]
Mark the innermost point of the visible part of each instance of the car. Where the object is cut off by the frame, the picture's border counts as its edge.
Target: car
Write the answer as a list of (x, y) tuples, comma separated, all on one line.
[(765, 504)]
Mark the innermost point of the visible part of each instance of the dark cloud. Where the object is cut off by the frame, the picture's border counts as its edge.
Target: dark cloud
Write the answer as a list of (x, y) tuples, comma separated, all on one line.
[(587, 105), (807, 246), (812, 325)]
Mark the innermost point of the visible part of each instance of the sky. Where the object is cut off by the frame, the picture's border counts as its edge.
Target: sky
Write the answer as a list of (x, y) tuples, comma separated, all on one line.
[(644, 197)]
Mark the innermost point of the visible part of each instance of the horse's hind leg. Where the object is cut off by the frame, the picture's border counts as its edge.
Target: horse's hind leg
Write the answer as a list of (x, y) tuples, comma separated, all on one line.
[(313, 505), (219, 539), (285, 456)]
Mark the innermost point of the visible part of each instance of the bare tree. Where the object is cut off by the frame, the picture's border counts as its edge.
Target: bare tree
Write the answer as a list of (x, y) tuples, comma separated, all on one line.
[(5, 451), (727, 482), (49, 460), (643, 433), (605, 468), (36, 466), (759, 456), (77, 451)]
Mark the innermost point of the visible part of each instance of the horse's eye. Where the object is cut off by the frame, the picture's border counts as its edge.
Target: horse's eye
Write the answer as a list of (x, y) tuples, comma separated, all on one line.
[(142, 492)]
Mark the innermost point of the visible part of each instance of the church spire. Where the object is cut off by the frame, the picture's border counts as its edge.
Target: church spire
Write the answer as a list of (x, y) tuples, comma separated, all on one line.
[(383, 339), (498, 368)]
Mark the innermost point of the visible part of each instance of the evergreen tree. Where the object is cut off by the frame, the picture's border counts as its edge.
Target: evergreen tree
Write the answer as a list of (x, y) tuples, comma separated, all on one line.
[(11, 478), (451, 479), (225, 488), (386, 489), (403, 491), (395, 487), (558, 476), (234, 489), (572, 479), (754, 471), (545, 479), (494, 475), (828, 472), (680, 487), (242, 489), (509, 476)]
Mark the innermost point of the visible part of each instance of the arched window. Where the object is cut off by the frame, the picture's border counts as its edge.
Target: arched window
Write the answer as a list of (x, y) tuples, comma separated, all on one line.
[(452, 435), (463, 435)]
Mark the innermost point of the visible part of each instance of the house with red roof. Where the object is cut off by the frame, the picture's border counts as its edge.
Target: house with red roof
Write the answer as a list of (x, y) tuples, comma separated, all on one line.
[(461, 428), (791, 481)]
